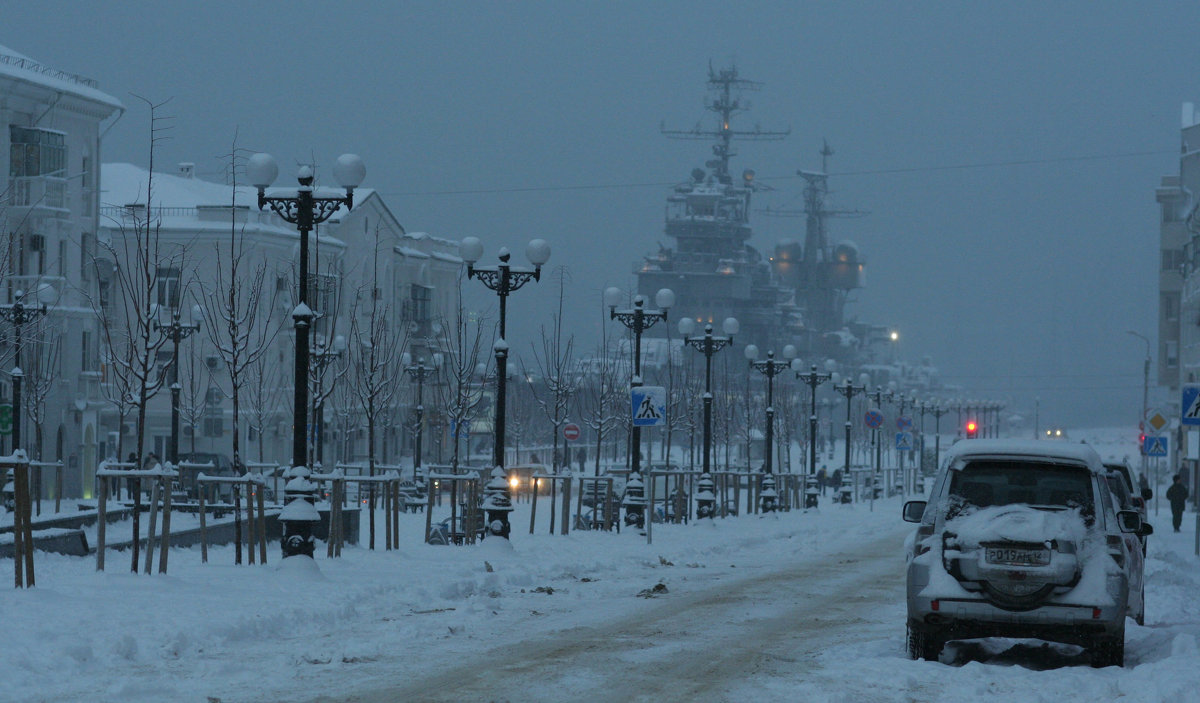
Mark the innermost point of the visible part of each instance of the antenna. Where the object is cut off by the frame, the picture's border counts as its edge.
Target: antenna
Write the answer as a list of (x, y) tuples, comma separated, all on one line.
[(726, 88)]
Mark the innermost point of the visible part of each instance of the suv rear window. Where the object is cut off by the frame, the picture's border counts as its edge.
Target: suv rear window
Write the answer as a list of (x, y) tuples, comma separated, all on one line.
[(988, 482)]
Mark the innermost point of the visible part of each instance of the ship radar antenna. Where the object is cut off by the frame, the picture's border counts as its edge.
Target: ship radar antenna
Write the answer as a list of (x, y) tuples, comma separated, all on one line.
[(726, 98)]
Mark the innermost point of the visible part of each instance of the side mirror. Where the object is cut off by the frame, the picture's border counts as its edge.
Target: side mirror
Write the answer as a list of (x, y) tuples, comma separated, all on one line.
[(1129, 521), (1147, 530), (1147, 494), (914, 509)]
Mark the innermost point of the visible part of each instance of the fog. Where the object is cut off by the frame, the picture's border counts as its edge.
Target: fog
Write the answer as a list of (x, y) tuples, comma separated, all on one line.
[(1007, 153)]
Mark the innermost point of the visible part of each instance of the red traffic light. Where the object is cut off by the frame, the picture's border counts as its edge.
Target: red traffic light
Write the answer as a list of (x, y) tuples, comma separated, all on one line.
[(972, 428)]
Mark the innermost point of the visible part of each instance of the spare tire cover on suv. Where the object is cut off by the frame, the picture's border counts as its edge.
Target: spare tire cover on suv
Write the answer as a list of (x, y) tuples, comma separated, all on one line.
[(1015, 530)]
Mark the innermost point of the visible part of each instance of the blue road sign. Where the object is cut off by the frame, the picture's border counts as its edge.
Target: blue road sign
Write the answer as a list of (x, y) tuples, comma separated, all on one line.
[(1155, 445), (904, 422), (648, 405), (904, 441), (873, 419), (1191, 404)]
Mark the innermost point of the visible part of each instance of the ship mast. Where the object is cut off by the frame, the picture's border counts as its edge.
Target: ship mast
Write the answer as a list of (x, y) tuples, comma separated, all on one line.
[(725, 88)]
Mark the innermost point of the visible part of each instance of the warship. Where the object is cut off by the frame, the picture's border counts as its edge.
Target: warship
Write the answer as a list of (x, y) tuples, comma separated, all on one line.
[(795, 294)]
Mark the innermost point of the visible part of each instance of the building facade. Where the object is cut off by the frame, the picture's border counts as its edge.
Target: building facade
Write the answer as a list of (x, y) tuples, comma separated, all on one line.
[(51, 127), (359, 256)]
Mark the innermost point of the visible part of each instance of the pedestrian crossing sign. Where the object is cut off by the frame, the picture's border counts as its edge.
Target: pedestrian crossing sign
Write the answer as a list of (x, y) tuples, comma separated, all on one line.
[(904, 441), (1191, 404), (648, 405), (1155, 445)]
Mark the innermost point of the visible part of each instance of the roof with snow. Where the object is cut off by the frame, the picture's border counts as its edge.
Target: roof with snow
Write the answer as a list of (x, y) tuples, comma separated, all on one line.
[(20, 67)]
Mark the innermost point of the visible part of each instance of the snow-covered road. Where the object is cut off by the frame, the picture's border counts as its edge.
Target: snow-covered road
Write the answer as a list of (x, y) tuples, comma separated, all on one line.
[(739, 630)]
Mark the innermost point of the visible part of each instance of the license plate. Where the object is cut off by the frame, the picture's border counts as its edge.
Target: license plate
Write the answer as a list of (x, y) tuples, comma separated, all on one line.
[(1017, 557)]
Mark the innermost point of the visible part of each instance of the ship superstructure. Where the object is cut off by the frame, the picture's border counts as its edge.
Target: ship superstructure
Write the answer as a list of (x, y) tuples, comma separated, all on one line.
[(712, 268)]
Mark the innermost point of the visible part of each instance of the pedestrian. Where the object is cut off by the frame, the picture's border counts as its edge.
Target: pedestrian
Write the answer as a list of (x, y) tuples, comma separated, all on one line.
[(130, 483), (821, 479), (1177, 494)]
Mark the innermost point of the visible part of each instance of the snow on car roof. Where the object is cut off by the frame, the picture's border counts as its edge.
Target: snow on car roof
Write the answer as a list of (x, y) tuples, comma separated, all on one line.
[(1032, 448)]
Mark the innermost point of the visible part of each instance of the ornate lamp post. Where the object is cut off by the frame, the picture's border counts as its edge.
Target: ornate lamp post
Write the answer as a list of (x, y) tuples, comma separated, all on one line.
[(637, 319), (419, 372), (304, 210), (19, 315), (177, 331), (707, 345), (322, 356), (503, 279), (769, 368), (849, 390), (938, 410), (812, 379)]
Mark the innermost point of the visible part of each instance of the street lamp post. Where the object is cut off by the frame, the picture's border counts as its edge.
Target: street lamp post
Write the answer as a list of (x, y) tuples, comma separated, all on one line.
[(419, 372), (324, 355), (707, 345), (769, 368), (504, 279), (177, 331), (1145, 390), (849, 390), (20, 315), (812, 379), (637, 319), (938, 410), (304, 210)]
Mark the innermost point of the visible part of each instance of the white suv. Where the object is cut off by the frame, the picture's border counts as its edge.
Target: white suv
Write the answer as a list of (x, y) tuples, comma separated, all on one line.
[(1019, 539)]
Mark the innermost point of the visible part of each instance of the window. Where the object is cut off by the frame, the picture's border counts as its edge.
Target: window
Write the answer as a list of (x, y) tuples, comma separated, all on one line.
[(85, 256), (36, 152), (88, 362), (1172, 354), (421, 299), (213, 425), (62, 257), (1172, 259), (1169, 306), (168, 287)]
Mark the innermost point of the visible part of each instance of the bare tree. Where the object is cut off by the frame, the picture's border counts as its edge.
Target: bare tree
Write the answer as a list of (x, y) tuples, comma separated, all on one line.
[(600, 393), (265, 396), (558, 380), (237, 320), (42, 373), (377, 367), (461, 368), (149, 277), (193, 395)]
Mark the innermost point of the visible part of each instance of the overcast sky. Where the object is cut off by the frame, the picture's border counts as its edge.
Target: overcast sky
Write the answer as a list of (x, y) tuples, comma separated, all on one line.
[(1020, 281)]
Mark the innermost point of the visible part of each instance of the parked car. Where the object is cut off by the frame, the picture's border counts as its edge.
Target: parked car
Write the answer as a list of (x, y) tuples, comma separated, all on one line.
[(221, 466), (1135, 545), (1138, 488), (1020, 538), (452, 531)]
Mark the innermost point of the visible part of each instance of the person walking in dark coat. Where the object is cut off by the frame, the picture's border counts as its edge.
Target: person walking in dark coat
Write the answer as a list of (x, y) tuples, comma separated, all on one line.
[(1177, 494)]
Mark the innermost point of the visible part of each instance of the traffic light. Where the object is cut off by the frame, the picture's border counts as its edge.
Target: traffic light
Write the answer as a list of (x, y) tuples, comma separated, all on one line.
[(1142, 443), (972, 429)]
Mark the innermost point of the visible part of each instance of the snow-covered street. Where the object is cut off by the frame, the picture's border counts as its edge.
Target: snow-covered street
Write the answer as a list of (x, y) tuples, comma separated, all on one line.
[(793, 606)]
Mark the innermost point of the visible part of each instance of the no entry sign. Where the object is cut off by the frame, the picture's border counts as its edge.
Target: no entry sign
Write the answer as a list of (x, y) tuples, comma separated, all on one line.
[(571, 432)]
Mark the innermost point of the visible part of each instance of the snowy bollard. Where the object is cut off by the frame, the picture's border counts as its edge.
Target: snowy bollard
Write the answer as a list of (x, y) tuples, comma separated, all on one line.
[(298, 514), (635, 502), (706, 498), (768, 495), (498, 504)]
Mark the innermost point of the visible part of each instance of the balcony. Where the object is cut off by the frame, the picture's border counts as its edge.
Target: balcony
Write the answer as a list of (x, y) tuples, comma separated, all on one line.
[(42, 193)]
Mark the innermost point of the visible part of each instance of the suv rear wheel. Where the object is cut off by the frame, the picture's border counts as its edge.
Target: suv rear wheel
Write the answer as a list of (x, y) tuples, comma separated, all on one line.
[(1109, 652), (925, 643)]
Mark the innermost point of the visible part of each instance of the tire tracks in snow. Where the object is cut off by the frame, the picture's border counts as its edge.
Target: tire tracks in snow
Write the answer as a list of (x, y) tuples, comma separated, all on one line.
[(699, 645)]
